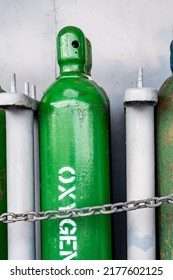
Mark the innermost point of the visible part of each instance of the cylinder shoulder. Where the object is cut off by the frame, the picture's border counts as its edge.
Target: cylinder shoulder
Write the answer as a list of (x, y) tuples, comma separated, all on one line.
[(166, 87), (165, 98), (74, 88)]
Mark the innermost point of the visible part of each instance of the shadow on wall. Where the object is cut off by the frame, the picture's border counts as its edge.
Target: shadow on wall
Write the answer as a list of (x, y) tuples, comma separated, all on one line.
[(115, 92), (118, 185)]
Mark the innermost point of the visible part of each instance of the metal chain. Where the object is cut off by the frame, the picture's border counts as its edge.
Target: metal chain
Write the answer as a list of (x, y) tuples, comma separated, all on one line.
[(28, 216)]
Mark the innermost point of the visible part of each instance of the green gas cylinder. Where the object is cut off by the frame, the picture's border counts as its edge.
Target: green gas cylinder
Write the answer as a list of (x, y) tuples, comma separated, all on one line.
[(164, 160), (74, 157), (88, 66), (88, 62), (3, 190)]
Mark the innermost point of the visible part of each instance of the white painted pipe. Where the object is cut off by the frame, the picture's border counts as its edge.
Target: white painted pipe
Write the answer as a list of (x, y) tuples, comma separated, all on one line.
[(139, 104), (20, 179)]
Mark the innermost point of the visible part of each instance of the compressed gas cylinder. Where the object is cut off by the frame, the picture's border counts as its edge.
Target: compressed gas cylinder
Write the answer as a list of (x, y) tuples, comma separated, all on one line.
[(88, 66), (3, 190), (88, 62), (74, 157), (165, 164)]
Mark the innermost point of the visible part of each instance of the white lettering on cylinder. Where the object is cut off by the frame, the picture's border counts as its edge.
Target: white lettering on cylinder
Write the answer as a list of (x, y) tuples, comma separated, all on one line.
[(67, 227), (66, 180), (65, 230)]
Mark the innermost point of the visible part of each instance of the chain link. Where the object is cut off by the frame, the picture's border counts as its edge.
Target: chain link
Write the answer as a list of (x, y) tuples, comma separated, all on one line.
[(118, 207)]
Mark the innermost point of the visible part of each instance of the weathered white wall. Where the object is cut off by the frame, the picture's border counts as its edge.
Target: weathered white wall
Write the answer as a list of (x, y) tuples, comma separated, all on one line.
[(124, 34), (27, 42)]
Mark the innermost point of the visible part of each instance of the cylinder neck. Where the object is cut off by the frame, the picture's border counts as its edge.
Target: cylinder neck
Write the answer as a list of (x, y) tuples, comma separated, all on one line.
[(71, 50), (71, 67)]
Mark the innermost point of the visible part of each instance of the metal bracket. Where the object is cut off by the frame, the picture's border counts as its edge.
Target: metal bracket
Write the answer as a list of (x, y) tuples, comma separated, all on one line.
[(141, 95), (18, 100)]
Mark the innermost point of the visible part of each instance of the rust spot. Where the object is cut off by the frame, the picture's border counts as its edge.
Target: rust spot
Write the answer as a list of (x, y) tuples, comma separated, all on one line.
[(165, 96), (2, 176), (162, 255), (169, 137), (170, 166), (105, 110), (164, 102), (1, 194)]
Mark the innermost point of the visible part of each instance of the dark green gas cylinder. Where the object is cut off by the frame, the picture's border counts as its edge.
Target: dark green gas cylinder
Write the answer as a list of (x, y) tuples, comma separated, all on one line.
[(88, 66), (3, 189), (88, 62), (165, 166), (74, 156)]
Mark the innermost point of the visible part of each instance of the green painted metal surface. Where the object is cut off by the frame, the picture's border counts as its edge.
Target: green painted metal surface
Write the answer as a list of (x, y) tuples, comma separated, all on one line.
[(74, 153), (164, 122), (3, 189), (88, 62), (88, 66)]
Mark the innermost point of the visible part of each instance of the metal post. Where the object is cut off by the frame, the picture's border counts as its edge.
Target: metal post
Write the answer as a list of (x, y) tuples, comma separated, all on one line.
[(139, 103), (20, 169)]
